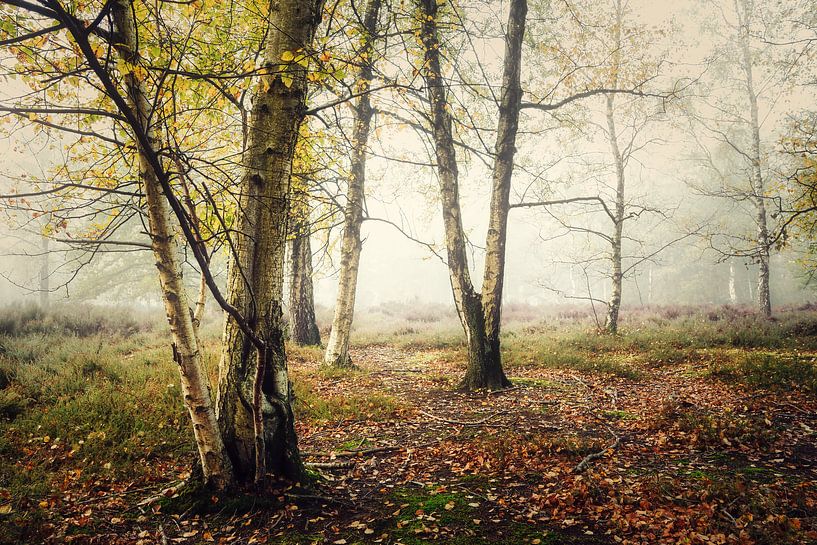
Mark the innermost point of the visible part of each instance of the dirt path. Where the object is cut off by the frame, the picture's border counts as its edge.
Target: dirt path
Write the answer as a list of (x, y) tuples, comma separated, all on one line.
[(665, 455), (694, 458)]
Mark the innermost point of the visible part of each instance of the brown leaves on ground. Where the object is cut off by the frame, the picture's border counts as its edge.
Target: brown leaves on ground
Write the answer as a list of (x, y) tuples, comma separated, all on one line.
[(697, 461)]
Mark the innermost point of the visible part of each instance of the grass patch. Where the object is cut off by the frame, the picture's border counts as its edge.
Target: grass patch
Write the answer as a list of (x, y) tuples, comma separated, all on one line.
[(571, 353), (770, 371), (620, 415), (305, 354), (84, 408), (310, 405)]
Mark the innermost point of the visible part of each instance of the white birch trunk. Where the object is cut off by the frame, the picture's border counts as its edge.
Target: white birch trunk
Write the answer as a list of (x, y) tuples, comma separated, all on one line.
[(616, 275), (733, 294), (256, 271), (757, 181), (337, 349), (194, 384)]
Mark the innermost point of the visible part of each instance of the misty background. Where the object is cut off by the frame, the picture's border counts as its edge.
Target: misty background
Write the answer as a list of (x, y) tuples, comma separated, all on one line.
[(676, 260)]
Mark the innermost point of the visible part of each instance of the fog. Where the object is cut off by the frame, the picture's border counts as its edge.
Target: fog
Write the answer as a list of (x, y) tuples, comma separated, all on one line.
[(675, 255)]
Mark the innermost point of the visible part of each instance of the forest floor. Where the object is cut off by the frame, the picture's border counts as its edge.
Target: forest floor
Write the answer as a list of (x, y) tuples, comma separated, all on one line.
[(701, 431)]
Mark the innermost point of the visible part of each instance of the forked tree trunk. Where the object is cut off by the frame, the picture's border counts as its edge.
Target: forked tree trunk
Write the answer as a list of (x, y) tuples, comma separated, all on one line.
[(302, 325), (256, 272), (493, 278), (764, 301), (479, 313), (337, 349), (194, 384), (616, 274)]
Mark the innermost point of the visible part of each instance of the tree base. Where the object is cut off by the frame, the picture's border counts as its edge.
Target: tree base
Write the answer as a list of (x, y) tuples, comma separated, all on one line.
[(494, 382)]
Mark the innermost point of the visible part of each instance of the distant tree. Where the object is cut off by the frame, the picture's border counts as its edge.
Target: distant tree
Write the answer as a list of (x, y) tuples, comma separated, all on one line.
[(337, 348), (302, 325), (728, 126), (479, 313), (599, 50)]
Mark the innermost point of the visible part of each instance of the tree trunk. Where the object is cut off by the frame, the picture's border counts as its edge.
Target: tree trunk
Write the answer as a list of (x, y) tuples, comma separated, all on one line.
[(764, 301), (303, 328), (337, 349), (45, 273), (479, 313), (616, 275), (733, 294), (194, 384), (507, 128), (256, 271), (749, 283), (466, 299)]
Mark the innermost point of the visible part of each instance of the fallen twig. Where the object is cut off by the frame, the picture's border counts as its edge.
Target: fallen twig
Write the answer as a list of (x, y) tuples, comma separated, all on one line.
[(316, 497), (585, 463), (164, 493), (355, 452), (504, 391), (330, 465), (482, 422)]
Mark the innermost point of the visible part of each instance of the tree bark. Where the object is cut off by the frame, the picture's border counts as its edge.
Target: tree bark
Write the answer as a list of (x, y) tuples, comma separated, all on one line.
[(186, 352), (256, 270), (45, 273), (303, 327), (479, 313), (733, 294), (494, 273), (337, 349), (764, 301), (616, 275)]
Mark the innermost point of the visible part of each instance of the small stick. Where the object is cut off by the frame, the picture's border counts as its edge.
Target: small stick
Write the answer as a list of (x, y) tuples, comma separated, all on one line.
[(505, 391), (596, 455), (463, 423), (330, 465)]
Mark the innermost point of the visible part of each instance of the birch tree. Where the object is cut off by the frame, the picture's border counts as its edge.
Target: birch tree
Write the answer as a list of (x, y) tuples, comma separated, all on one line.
[(728, 127), (251, 431), (479, 313), (337, 348), (603, 52), (254, 399)]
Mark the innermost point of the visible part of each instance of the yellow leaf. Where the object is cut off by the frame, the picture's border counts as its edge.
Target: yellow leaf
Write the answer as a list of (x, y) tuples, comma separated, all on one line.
[(286, 80), (287, 56)]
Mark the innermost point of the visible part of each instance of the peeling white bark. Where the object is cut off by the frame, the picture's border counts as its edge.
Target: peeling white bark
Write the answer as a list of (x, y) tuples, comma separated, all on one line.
[(194, 384)]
